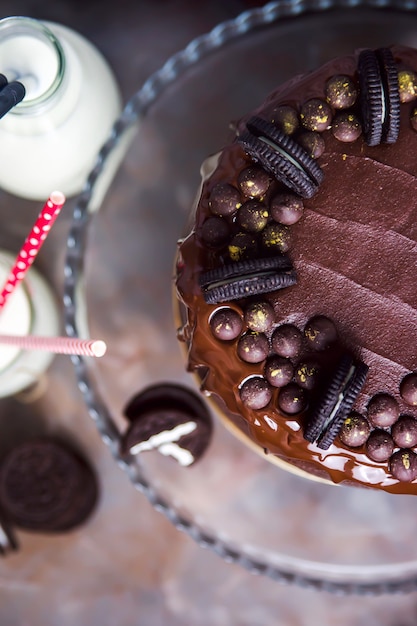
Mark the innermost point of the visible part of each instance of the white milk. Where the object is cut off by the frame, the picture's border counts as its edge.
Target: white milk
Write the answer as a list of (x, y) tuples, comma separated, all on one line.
[(51, 139), (30, 309)]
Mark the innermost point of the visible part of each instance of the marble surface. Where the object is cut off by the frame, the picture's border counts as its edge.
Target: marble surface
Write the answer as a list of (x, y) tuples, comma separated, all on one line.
[(128, 565)]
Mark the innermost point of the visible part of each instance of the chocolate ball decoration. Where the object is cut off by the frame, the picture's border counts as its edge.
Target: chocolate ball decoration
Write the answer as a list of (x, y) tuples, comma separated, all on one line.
[(226, 324), (253, 347), (404, 432), (307, 374), (320, 332), (215, 232), (380, 445), (286, 208), (355, 430), (408, 389), (286, 118), (341, 92), (224, 199), (259, 316), (346, 127), (403, 465), (287, 341), (242, 246), (254, 182), (255, 392), (292, 399), (278, 371), (383, 410), (252, 216), (316, 115), (276, 238), (312, 142), (407, 83)]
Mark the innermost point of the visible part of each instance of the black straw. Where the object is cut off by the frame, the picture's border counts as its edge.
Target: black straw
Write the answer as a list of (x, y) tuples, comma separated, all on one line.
[(10, 95)]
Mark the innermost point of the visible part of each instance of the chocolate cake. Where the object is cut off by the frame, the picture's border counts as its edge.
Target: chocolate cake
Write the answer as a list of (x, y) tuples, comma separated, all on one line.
[(297, 284)]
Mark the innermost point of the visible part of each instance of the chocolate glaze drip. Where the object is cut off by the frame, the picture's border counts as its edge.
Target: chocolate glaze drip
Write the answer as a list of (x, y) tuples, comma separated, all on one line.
[(355, 254)]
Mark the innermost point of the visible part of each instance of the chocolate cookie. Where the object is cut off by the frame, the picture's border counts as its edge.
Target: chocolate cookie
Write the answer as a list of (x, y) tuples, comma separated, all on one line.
[(169, 418), (336, 402), (283, 157), (45, 486), (380, 96), (247, 278)]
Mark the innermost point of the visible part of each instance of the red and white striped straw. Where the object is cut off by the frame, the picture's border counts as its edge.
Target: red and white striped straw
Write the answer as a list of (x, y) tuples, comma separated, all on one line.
[(33, 243), (57, 345)]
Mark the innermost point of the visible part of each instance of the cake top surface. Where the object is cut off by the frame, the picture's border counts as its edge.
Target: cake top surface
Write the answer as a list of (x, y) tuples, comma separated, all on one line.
[(315, 200)]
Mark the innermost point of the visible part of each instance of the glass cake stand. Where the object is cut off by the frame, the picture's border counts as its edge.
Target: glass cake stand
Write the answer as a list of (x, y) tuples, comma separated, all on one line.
[(119, 282)]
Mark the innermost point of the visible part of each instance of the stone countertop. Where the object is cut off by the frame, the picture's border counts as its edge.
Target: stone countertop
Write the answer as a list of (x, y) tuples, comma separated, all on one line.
[(128, 565)]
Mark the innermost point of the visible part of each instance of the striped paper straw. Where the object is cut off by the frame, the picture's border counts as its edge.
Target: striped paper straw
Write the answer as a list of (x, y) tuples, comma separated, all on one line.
[(33, 243), (57, 345)]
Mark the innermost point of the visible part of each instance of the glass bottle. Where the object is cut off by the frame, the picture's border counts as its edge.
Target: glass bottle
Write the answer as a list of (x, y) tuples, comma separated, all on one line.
[(51, 139)]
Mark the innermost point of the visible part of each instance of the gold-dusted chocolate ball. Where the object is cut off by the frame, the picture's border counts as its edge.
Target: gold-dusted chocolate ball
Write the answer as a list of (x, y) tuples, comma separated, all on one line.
[(355, 430), (320, 332), (252, 216), (286, 118), (254, 181), (259, 316), (226, 324), (316, 115), (276, 237), (278, 371), (408, 389), (306, 374), (224, 199), (341, 92), (286, 208), (407, 83), (215, 231), (312, 142), (403, 465), (292, 399), (242, 246), (346, 127)]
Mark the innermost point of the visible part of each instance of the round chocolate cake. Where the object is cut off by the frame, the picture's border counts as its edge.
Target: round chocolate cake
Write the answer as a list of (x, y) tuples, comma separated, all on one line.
[(298, 283)]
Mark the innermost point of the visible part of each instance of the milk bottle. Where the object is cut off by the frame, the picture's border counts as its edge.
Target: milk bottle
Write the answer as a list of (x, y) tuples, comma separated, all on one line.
[(51, 139)]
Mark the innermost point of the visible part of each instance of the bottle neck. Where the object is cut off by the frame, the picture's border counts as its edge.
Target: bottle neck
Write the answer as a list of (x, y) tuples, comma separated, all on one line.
[(31, 54)]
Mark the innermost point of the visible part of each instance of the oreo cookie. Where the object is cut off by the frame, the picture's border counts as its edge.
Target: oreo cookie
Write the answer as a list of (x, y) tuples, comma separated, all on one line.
[(283, 157), (379, 96), (168, 418), (336, 402), (247, 278), (45, 486)]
